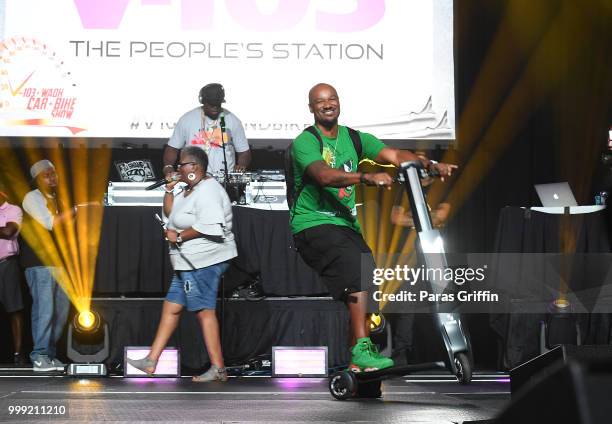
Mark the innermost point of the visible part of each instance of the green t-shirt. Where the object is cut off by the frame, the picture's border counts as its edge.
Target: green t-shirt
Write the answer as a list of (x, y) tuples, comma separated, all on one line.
[(318, 205)]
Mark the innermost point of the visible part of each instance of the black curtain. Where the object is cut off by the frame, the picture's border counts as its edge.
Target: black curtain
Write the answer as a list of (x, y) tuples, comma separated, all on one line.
[(250, 329), (559, 139)]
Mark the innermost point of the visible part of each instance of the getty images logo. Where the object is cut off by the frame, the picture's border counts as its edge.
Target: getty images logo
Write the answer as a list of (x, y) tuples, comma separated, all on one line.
[(200, 14)]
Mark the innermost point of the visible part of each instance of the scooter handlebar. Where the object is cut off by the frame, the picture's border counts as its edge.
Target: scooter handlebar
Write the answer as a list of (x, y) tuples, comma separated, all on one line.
[(423, 172)]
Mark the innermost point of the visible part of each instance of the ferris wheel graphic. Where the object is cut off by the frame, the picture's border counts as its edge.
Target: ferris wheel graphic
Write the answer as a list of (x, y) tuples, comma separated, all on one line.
[(37, 90)]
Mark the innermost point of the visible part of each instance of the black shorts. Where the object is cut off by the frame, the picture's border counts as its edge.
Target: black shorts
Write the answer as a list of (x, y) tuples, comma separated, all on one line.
[(340, 256), (10, 285)]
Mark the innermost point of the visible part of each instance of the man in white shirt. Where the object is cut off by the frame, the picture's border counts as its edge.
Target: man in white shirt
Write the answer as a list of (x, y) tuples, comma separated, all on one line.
[(50, 305), (203, 127)]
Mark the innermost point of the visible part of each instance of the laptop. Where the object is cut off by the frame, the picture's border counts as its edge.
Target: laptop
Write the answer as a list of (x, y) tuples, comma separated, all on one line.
[(556, 194)]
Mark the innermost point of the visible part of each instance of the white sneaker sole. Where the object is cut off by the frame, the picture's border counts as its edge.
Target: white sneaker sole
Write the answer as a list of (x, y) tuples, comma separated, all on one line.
[(36, 369)]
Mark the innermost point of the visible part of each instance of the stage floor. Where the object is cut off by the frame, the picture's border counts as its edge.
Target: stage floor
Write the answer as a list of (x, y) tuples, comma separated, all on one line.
[(415, 399)]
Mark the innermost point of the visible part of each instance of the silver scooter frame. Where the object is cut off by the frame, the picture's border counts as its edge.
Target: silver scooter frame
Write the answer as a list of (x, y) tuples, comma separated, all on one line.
[(450, 325)]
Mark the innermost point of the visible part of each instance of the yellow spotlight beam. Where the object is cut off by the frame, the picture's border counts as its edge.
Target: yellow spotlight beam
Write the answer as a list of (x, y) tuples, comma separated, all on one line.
[(498, 70), (73, 248), (541, 76), (65, 233), (517, 34), (556, 37)]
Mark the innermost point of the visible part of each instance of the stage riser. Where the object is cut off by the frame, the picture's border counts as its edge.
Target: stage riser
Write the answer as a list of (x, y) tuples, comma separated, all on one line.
[(250, 328)]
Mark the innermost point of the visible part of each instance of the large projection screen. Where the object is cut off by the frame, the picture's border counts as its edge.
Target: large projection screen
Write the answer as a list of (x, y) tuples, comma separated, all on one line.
[(131, 68)]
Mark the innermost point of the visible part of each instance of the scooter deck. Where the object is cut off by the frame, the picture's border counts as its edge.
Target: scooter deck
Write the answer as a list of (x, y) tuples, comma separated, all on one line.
[(386, 373)]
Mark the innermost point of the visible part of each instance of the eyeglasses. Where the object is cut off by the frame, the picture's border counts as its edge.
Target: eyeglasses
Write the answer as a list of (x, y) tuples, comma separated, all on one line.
[(178, 166)]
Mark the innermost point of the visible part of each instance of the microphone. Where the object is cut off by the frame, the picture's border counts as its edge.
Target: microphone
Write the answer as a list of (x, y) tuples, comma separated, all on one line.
[(225, 170), (161, 221), (163, 181)]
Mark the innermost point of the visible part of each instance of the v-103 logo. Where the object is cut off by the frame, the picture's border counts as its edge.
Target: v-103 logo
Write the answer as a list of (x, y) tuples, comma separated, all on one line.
[(200, 14), (36, 88)]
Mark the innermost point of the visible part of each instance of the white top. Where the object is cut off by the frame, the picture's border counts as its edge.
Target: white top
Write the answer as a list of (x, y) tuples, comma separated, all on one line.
[(35, 204), (9, 213), (208, 210), (196, 129)]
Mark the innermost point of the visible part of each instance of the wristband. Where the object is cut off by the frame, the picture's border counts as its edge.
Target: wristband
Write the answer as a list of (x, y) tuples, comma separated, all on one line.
[(179, 240), (362, 179), (169, 191)]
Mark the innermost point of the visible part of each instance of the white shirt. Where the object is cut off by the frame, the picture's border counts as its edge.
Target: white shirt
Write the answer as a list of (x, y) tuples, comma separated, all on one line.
[(9, 213), (35, 204), (208, 210), (196, 129)]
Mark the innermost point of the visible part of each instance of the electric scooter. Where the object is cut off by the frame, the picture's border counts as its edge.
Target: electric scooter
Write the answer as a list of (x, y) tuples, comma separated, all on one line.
[(347, 384)]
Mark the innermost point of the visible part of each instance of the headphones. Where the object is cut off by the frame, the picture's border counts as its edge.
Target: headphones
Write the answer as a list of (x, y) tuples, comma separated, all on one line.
[(208, 87)]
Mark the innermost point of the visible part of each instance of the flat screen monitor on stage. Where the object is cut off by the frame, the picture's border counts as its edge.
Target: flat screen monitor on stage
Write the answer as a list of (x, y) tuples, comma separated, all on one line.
[(168, 364), (131, 68), (299, 361)]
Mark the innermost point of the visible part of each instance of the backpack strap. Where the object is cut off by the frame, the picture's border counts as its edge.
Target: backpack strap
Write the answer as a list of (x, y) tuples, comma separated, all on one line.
[(354, 134), (356, 139), (306, 179), (312, 130)]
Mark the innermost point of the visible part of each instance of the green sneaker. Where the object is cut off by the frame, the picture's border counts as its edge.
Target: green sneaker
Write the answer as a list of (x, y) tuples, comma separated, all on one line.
[(374, 350), (366, 358)]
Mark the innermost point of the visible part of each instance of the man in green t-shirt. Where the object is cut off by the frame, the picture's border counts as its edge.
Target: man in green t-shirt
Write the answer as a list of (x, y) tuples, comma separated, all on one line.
[(324, 219)]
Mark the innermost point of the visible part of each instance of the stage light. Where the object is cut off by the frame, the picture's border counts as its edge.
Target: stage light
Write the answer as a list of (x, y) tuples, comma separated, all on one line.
[(86, 321), (560, 306), (377, 323), (88, 344), (561, 326), (380, 333)]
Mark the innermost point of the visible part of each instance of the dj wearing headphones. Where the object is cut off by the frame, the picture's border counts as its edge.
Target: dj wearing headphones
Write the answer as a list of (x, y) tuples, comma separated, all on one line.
[(202, 127)]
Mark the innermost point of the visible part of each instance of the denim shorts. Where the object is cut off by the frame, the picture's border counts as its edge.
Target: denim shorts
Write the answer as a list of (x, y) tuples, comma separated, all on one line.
[(197, 289)]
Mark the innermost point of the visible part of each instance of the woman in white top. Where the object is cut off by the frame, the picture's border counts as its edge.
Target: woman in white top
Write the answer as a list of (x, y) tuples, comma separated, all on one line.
[(201, 245)]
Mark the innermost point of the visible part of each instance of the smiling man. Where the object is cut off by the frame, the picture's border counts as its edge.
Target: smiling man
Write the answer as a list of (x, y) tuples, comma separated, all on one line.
[(201, 127), (323, 216)]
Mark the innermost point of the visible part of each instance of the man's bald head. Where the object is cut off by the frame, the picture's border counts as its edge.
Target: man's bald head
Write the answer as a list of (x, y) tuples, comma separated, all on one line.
[(315, 91), (324, 104)]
